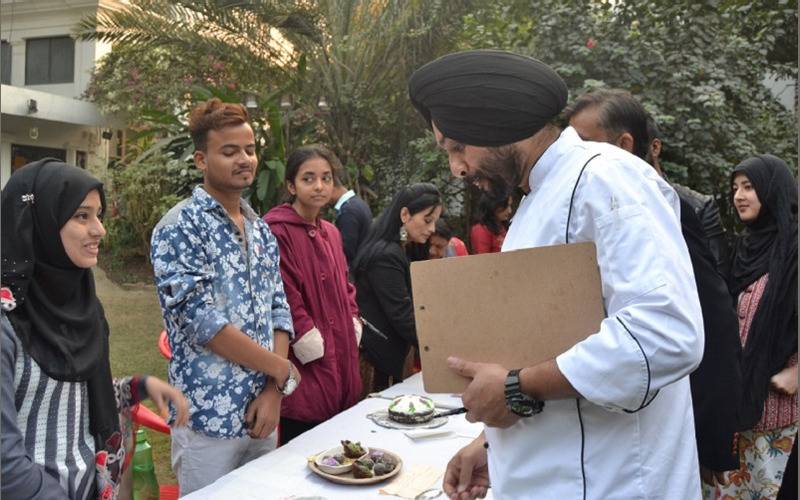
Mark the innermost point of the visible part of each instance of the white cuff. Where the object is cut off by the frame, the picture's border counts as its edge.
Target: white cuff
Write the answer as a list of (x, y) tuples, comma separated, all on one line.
[(359, 329), (309, 347)]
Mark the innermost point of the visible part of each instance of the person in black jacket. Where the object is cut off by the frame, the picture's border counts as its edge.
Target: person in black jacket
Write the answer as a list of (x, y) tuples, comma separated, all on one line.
[(704, 206), (383, 282), (616, 117), (353, 216)]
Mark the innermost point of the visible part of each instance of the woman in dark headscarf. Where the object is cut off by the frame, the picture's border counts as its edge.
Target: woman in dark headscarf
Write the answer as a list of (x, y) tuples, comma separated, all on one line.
[(764, 279), (60, 407)]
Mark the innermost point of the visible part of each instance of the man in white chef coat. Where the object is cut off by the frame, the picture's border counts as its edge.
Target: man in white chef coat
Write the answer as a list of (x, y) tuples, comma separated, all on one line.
[(610, 418)]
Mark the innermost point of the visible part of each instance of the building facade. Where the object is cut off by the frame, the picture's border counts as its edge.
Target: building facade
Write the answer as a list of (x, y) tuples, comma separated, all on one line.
[(44, 73)]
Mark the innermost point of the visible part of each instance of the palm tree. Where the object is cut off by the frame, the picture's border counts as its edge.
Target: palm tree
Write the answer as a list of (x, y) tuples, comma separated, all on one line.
[(255, 35), (358, 55), (368, 50)]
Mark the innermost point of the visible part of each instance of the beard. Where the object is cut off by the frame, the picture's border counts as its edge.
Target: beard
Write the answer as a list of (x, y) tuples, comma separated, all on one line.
[(498, 174)]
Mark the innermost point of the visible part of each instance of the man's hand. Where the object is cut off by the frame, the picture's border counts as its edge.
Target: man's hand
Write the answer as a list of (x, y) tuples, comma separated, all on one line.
[(485, 397), (785, 381), (467, 474), (263, 413)]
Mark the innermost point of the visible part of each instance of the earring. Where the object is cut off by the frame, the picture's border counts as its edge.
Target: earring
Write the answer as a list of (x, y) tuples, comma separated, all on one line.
[(403, 234)]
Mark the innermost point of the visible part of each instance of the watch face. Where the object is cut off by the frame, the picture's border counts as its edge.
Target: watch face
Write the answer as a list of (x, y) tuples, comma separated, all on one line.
[(290, 386), (522, 410)]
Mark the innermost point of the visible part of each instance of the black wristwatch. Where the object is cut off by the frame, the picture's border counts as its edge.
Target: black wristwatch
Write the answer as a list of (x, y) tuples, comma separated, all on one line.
[(517, 401)]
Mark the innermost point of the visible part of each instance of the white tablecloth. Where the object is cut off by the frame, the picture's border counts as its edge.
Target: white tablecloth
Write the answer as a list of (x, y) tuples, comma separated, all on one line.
[(283, 473)]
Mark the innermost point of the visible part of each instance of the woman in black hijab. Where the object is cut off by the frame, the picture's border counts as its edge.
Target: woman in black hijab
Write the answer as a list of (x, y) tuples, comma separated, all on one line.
[(764, 280), (60, 407)]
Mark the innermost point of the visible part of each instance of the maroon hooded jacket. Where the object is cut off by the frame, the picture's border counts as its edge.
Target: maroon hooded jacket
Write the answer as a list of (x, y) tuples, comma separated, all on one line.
[(314, 273)]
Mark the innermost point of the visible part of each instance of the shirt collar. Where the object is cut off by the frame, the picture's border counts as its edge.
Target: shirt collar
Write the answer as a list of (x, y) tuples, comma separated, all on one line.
[(565, 142), (207, 202), (343, 199)]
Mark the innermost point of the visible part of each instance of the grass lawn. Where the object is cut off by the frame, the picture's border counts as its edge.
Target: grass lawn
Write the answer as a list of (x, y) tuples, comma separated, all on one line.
[(134, 318)]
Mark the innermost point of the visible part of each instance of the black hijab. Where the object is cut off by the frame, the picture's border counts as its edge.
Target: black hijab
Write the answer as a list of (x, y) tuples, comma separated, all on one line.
[(57, 317), (487, 97), (768, 245)]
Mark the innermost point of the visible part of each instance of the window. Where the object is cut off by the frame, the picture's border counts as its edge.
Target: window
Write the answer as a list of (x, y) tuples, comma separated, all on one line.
[(21, 154), (80, 159), (49, 60), (5, 62)]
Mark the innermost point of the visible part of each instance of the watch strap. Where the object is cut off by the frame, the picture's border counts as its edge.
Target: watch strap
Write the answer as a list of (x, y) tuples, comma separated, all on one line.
[(517, 401)]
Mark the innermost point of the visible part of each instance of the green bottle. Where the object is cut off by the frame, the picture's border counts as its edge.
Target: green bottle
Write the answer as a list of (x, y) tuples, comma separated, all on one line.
[(145, 484)]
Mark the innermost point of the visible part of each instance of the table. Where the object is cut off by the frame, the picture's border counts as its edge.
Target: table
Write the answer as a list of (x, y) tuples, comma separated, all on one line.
[(283, 473)]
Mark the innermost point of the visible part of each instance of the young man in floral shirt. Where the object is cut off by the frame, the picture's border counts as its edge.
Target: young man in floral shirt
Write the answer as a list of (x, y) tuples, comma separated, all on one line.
[(228, 322)]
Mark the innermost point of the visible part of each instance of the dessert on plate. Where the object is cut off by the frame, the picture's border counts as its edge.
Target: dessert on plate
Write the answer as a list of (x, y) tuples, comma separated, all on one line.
[(411, 409)]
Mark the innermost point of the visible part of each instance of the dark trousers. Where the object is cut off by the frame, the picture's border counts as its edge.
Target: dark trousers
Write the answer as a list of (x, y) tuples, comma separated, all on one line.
[(291, 428)]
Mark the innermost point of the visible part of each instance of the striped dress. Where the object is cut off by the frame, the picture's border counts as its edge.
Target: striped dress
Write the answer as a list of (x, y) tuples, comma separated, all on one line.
[(47, 449), (52, 419)]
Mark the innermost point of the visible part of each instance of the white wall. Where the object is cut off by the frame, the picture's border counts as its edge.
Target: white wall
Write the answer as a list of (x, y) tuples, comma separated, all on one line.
[(62, 121), (49, 106), (5, 160), (47, 18), (72, 138)]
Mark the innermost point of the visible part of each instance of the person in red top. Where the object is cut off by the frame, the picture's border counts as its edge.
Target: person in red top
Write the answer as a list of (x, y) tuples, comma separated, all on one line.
[(764, 279), (487, 235), (322, 301), (442, 243)]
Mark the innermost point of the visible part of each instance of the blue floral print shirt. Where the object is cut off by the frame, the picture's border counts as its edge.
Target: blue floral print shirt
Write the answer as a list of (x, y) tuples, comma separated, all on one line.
[(209, 275)]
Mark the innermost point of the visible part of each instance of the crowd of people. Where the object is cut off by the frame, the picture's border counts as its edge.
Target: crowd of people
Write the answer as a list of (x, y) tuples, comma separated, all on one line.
[(279, 321)]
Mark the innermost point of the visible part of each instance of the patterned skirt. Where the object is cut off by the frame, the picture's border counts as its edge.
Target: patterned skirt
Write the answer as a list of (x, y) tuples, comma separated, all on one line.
[(762, 462)]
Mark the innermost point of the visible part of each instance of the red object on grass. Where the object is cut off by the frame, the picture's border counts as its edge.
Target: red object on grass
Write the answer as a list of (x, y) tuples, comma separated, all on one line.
[(163, 345), (143, 415), (168, 492)]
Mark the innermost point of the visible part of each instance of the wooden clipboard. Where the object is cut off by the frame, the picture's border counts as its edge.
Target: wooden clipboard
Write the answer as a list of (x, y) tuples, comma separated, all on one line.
[(515, 308)]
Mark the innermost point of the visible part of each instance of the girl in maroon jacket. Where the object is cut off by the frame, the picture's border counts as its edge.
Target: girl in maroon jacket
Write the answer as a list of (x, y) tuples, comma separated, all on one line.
[(324, 310)]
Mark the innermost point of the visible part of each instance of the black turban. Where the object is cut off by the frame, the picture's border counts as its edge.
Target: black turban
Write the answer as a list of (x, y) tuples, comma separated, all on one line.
[(487, 97)]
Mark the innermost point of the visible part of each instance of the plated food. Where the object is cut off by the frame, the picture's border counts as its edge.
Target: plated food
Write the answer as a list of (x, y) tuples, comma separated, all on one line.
[(377, 463), (411, 409), (372, 466), (340, 459)]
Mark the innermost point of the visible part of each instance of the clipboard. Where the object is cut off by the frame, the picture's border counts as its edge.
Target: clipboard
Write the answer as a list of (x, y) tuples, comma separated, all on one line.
[(515, 308)]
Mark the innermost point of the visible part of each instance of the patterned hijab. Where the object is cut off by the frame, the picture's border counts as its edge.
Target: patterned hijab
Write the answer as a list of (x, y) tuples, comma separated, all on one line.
[(768, 245)]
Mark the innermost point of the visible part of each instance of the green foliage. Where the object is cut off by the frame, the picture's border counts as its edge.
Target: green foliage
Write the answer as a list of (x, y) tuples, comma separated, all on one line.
[(499, 25), (143, 192), (357, 54), (698, 67), (369, 49)]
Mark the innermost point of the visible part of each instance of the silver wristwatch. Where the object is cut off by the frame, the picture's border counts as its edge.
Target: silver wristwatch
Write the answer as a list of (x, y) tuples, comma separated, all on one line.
[(291, 382)]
